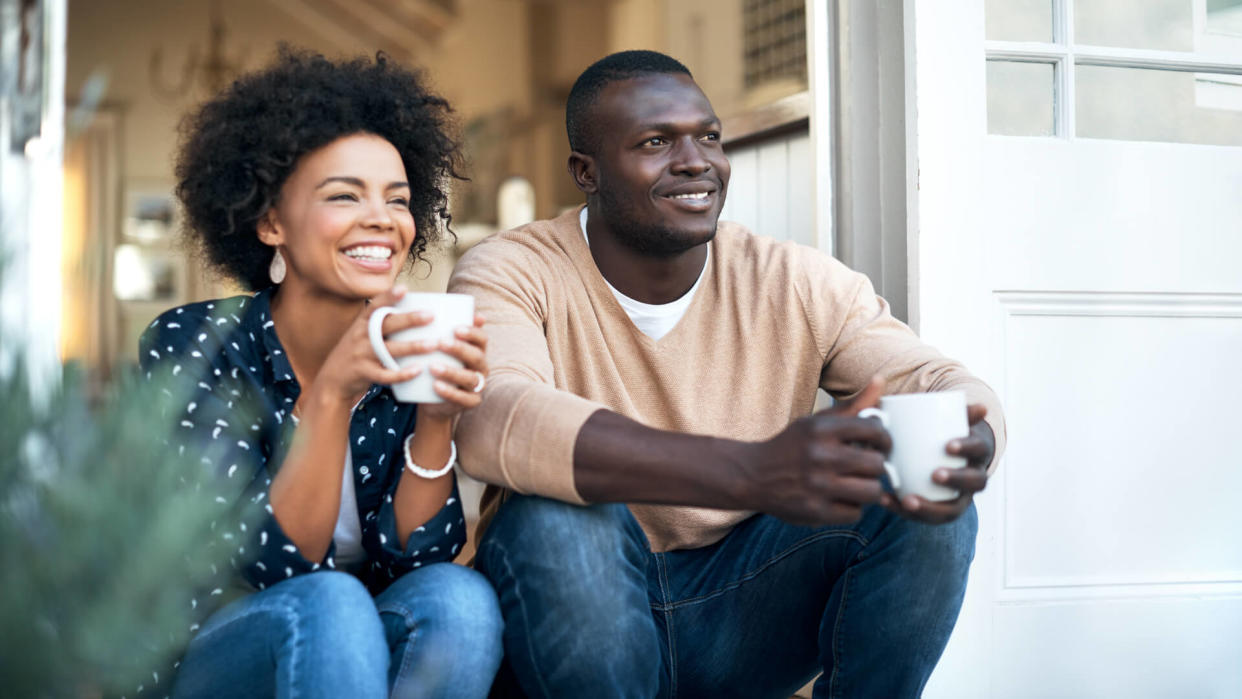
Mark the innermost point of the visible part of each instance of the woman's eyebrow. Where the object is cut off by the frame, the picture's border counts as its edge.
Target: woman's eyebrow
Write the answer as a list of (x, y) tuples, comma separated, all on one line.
[(347, 180), (356, 182)]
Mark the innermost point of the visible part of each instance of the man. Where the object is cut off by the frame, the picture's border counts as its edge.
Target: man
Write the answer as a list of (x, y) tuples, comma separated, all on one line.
[(673, 525)]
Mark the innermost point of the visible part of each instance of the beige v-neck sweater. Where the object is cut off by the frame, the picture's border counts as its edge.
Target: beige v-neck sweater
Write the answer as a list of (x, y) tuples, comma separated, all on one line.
[(769, 324)]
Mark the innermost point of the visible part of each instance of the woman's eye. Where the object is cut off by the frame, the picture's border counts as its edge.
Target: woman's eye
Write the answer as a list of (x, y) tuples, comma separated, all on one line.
[(400, 201), (344, 196)]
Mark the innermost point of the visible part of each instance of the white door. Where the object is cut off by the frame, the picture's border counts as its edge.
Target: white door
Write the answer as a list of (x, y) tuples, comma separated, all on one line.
[(1076, 238)]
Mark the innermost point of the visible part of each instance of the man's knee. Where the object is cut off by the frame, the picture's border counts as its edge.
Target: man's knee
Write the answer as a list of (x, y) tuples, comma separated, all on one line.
[(538, 536), (573, 587), (938, 555)]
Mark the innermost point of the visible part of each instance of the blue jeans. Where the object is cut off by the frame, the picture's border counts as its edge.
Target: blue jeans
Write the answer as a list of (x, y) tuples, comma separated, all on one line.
[(591, 611), (435, 632)]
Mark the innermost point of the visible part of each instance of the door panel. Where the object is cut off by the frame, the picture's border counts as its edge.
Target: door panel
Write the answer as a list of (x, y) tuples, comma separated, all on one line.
[(1096, 285)]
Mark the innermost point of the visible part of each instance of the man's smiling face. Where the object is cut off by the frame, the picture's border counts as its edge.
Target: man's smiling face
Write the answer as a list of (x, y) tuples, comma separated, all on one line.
[(661, 171)]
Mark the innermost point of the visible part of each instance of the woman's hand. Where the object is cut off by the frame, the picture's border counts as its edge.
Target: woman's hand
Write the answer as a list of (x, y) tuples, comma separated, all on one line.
[(458, 386), (352, 366)]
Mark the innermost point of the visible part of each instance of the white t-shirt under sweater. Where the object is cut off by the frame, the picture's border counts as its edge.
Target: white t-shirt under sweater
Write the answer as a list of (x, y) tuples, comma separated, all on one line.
[(655, 320)]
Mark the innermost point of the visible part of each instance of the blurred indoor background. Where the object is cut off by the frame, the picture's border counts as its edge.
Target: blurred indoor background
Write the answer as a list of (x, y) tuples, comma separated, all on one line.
[(134, 67)]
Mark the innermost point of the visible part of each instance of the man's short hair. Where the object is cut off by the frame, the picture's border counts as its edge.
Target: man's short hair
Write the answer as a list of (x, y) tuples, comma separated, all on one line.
[(609, 69)]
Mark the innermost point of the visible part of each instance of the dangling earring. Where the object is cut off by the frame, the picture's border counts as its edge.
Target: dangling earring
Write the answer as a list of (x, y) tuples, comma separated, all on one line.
[(277, 269)]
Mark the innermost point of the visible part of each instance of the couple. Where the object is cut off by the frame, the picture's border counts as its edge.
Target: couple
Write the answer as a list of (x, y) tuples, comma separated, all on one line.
[(663, 521)]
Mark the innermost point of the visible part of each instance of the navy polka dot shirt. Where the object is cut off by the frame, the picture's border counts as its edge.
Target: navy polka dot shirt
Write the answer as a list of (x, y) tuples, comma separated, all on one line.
[(225, 356)]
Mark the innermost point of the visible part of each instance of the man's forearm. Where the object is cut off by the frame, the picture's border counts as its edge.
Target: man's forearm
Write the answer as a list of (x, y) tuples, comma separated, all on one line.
[(619, 460)]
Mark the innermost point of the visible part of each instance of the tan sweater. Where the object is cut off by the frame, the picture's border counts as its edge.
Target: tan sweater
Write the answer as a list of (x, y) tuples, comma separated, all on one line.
[(769, 323)]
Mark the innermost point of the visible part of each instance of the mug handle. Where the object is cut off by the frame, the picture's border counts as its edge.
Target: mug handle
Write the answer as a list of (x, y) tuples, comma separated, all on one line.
[(883, 418), (375, 329)]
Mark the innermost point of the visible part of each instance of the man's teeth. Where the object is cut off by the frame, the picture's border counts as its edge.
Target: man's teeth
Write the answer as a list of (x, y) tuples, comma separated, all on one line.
[(370, 252), (697, 196)]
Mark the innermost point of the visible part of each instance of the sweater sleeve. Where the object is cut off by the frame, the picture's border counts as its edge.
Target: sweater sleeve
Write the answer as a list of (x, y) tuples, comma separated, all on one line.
[(860, 338), (522, 435)]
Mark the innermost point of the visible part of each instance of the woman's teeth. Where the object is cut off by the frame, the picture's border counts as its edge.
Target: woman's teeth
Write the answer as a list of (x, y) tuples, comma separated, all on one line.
[(371, 253), (698, 196)]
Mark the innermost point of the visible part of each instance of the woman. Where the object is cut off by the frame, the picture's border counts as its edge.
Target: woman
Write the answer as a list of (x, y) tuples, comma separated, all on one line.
[(312, 182)]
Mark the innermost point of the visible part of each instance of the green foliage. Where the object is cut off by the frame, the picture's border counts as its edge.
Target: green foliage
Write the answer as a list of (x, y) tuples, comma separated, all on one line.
[(99, 523)]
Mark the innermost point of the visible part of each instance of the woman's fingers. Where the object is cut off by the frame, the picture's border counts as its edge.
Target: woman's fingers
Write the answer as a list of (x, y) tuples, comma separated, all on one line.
[(471, 356), (388, 298), (455, 395), (387, 377), (396, 322), (465, 379), (472, 335)]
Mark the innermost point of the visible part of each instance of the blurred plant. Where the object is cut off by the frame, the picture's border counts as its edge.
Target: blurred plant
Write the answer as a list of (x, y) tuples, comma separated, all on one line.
[(99, 520)]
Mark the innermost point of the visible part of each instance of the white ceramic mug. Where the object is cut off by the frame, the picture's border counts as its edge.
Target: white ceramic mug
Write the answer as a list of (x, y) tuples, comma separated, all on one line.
[(448, 311), (921, 425)]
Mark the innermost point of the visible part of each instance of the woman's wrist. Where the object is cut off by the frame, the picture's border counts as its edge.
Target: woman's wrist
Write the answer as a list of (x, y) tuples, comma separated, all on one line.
[(433, 425), (322, 402), (435, 471)]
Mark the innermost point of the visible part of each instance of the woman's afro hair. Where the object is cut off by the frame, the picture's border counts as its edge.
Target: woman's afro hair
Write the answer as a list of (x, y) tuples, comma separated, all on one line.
[(238, 149)]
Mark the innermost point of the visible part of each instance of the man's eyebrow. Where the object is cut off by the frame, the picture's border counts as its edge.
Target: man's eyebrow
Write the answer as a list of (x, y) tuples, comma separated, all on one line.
[(358, 183), (670, 126)]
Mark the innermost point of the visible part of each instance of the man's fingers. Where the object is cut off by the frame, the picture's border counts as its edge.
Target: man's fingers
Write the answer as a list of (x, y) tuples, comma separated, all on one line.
[(869, 397), (975, 412), (856, 430), (859, 491), (973, 448), (931, 511), (848, 460), (967, 480)]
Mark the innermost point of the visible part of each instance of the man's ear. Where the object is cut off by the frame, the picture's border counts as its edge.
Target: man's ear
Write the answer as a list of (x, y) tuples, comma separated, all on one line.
[(582, 169), (269, 229)]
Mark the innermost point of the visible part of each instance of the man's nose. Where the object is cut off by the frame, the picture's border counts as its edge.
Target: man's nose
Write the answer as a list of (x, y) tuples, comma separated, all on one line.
[(688, 157)]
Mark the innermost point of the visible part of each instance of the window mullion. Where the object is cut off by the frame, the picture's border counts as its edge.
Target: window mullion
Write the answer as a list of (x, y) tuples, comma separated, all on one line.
[(1066, 98)]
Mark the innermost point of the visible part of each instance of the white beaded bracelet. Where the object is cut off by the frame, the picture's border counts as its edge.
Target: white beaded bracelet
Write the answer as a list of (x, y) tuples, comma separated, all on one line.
[(428, 473)]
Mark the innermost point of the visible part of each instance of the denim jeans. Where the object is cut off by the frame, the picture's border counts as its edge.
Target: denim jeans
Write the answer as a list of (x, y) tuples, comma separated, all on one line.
[(590, 611), (435, 632)]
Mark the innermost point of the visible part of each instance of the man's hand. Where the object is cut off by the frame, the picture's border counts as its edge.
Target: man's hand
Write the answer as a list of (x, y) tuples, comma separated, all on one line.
[(978, 449), (824, 468)]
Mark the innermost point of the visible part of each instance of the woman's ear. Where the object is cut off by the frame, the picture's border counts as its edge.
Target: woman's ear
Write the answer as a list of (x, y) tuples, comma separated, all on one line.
[(582, 169), (269, 229)]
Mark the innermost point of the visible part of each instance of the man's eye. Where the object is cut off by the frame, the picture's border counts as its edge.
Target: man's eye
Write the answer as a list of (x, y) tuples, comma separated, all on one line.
[(711, 136), (654, 141)]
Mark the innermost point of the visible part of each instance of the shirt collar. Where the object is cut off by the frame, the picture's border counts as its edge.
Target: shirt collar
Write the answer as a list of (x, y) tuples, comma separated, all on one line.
[(259, 321)]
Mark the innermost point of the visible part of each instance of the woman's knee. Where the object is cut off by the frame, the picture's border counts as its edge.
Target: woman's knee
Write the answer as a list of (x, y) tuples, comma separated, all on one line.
[(446, 606), (335, 609)]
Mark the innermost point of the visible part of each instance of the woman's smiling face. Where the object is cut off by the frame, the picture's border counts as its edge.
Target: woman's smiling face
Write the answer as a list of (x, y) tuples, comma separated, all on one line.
[(343, 221)]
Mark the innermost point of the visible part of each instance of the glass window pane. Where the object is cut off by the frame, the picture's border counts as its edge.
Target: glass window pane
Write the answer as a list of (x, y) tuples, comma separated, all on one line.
[(1224, 17), (1138, 24), (1020, 98), (1135, 104), (1019, 20)]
